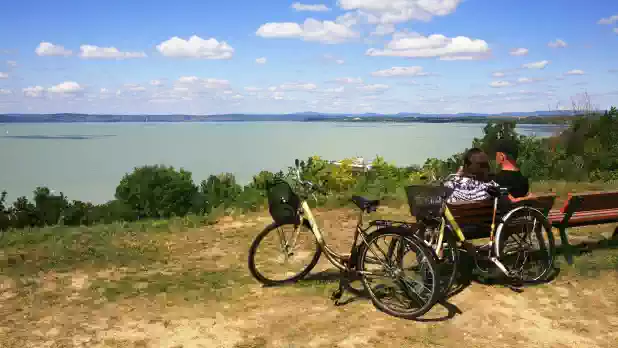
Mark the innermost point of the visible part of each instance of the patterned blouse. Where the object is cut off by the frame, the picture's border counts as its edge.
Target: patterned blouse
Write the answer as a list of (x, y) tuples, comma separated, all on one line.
[(467, 189)]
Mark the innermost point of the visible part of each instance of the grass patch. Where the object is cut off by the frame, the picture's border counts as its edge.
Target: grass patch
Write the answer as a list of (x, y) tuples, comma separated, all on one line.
[(62, 249), (190, 284), (592, 264), (65, 249)]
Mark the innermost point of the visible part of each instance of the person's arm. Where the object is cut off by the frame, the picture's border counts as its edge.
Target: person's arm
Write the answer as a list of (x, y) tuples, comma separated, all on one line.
[(530, 195)]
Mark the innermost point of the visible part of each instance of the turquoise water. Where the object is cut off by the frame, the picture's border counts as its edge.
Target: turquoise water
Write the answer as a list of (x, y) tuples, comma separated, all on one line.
[(87, 160)]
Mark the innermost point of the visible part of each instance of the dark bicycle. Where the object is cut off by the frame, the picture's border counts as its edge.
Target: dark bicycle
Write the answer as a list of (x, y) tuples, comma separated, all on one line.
[(378, 253)]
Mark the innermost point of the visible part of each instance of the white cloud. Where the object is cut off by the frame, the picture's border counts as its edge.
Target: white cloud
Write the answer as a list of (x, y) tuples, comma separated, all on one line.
[(135, 88), (3, 76), (209, 83), (339, 89), (49, 49), (311, 30), (498, 74), (188, 79), (608, 20), (195, 47), (34, 92), (349, 80), (373, 88), (519, 52), (298, 7), (384, 29), (575, 72), (331, 58), (278, 96), (500, 84), (295, 86), (523, 80), (253, 89), (5, 91), (96, 52), (156, 83), (557, 44), (536, 65), (397, 11), (67, 87), (261, 60), (401, 71), (11, 63), (414, 45)]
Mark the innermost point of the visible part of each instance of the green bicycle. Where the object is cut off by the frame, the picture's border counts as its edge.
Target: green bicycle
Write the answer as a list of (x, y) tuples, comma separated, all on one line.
[(378, 253)]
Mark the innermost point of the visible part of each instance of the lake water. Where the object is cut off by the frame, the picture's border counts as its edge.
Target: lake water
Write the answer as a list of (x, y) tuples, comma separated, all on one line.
[(87, 160)]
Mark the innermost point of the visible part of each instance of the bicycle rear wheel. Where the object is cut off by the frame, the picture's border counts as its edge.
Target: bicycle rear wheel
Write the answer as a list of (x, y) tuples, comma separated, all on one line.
[(525, 245), (282, 243), (414, 287)]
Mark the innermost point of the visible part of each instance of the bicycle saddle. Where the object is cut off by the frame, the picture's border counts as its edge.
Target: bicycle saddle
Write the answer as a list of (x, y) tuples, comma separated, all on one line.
[(365, 204)]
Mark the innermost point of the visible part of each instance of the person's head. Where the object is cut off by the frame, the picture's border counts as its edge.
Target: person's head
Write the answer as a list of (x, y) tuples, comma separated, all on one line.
[(506, 153), (476, 163)]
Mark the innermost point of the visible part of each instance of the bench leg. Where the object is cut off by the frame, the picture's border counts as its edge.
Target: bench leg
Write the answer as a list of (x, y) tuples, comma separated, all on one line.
[(566, 247)]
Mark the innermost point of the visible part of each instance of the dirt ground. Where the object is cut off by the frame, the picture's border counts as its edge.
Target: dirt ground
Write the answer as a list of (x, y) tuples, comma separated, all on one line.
[(196, 291)]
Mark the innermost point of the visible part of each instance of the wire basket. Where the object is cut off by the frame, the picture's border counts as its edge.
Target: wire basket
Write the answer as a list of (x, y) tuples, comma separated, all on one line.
[(426, 201)]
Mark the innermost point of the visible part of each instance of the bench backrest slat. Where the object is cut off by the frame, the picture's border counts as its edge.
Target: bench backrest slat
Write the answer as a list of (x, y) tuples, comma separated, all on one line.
[(590, 201), (481, 212)]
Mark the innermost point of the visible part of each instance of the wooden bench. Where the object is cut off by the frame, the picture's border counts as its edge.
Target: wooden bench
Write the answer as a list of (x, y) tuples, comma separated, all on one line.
[(481, 213), (584, 209)]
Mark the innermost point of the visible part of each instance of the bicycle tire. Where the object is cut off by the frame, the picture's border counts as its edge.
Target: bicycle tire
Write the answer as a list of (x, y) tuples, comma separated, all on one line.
[(421, 250), (502, 235), (448, 268), (270, 282)]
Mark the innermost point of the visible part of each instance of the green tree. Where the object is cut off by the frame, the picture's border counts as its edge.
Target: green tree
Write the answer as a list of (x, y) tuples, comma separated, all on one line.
[(219, 190), (5, 222), (157, 191), (49, 207), (23, 214), (80, 213)]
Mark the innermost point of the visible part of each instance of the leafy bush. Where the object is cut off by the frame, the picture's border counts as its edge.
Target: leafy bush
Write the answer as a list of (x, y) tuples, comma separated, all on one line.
[(157, 191), (5, 222), (219, 190)]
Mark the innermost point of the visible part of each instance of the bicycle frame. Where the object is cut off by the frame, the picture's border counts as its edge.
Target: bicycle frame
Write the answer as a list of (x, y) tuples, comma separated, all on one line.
[(448, 219), (339, 260), (336, 258)]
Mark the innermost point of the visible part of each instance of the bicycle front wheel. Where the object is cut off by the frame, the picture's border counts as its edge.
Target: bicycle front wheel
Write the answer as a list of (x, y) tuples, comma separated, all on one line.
[(448, 259), (403, 284), (283, 253), (525, 245)]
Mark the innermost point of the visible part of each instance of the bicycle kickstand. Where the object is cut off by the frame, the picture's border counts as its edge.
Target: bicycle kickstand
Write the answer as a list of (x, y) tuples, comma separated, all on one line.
[(337, 294), (515, 283)]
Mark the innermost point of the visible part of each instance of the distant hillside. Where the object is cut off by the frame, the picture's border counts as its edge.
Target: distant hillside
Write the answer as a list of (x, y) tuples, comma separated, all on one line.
[(299, 117)]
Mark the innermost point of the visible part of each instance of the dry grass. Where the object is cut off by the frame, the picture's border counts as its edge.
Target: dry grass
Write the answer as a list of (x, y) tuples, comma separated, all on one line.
[(172, 284)]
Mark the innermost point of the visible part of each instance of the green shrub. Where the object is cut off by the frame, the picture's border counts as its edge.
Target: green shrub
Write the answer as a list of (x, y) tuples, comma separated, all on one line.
[(157, 191)]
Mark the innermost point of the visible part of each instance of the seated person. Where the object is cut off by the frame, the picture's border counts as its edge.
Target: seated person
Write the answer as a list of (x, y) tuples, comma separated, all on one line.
[(509, 175), (472, 181)]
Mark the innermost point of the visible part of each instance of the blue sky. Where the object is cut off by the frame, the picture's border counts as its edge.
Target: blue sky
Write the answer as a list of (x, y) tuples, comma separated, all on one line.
[(206, 57)]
